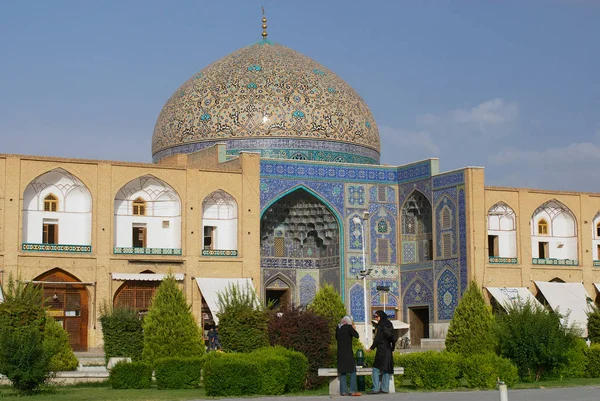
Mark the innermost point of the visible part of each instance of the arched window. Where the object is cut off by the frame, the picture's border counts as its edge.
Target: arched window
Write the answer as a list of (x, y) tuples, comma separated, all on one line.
[(219, 224), (446, 218), (598, 230), (542, 227), (50, 203), (136, 295), (502, 234), (139, 207), (416, 228)]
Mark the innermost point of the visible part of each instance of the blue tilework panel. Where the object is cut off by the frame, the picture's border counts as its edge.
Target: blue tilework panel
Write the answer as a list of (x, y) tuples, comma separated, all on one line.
[(375, 295), (450, 192), (308, 289), (409, 252), (389, 195), (441, 265), (382, 213), (357, 303), (344, 173), (355, 265), (331, 276), (462, 232), (450, 179), (423, 186), (427, 265), (330, 192), (447, 295), (384, 271), (417, 291), (290, 274), (445, 202), (355, 231), (356, 195)]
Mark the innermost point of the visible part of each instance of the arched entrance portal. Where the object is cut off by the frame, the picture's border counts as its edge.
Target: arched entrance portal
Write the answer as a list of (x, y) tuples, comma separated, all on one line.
[(300, 241), (67, 302)]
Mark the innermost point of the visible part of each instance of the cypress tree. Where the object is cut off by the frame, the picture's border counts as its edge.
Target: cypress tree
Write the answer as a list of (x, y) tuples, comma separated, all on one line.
[(328, 304), (471, 328), (170, 329)]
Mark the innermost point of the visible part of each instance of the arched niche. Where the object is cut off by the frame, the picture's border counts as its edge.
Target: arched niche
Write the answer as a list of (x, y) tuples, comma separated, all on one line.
[(147, 218), (502, 232), (219, 225), (300, 231), (67, 302), (554, 233), (417, 233), (57, 213)]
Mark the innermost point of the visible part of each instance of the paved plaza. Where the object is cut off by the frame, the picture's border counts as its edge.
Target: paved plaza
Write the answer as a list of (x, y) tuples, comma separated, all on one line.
[(588, 393)]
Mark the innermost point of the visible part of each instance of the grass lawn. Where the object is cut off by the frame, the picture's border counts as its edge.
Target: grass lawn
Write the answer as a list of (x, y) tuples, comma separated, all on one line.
[(103, 392)]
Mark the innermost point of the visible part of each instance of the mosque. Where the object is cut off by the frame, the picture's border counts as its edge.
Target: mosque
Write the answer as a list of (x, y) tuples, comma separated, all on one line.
[(266, 170)]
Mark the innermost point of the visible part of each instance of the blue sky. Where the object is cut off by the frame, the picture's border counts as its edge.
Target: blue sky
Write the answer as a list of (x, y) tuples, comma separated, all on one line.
[(513, 86)]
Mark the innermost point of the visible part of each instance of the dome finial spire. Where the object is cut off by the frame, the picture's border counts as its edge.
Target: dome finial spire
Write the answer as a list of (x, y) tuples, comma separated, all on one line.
[(264, 24)]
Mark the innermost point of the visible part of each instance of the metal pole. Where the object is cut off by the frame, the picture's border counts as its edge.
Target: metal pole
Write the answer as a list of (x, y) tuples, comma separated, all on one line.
[(503, 391), (362, 226)]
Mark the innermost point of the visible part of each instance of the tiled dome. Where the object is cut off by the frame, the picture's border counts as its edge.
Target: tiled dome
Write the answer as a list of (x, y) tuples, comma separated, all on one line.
[(271, 99)]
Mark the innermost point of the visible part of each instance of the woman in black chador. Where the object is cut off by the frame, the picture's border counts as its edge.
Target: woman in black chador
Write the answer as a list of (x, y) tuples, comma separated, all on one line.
[(383, 342), (344, 333)]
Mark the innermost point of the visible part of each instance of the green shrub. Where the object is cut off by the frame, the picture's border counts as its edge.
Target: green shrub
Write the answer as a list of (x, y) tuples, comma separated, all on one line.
[(231, 375), (135, 375), (57, 348), (273, 372), (576, 361), (484, 370), (471, 328), (593, 357), (122, 333), (22, 321), (22, 358), (593, 324), (170, 329), (534, 340), (298, 369), (242, 321), (432, 370), (178, 373), (328, 304)]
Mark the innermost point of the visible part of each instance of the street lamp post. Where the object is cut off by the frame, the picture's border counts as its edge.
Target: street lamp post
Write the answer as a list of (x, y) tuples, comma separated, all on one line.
[(364, 272)]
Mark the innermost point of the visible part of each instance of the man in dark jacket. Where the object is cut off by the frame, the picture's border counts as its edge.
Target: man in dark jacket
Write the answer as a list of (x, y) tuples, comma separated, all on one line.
[(384, 361), (344, 333)]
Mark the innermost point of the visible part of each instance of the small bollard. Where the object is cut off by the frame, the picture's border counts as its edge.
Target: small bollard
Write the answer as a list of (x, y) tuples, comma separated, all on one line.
[(503, 391)]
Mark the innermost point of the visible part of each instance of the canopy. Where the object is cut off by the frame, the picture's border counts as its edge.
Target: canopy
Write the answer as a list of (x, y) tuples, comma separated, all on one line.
[(597, 286), (211, 287), (506, 296), (1, 296), (144, 276), (568, 299), (399, 325)]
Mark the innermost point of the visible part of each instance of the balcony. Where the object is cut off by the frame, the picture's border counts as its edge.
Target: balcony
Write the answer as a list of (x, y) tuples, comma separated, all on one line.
[(502, 260), (146, 251), (31, 247), (555, 262), (220, 252)]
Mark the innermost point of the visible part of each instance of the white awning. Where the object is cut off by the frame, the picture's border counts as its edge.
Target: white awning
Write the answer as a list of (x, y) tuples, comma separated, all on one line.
[(567, 298), (144, 276), (507, 296), (211, 287), (1, 295), (399, 325), (597, 286)]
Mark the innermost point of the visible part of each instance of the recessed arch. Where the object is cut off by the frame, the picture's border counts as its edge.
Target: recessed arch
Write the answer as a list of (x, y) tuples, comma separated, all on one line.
[(417, 228), (68, 303), (312, 234), (554, 234), (502, 233), (147, 217), (219, 224), (57, 210)]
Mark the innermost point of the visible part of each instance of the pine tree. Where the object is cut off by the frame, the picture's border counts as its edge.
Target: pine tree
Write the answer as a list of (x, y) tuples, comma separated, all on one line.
[(170, 329), (471, 328), (328, 304), (56, 346), (593, 325)]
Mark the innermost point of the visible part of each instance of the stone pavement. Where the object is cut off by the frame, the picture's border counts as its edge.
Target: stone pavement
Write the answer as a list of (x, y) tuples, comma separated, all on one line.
[(588, 393)]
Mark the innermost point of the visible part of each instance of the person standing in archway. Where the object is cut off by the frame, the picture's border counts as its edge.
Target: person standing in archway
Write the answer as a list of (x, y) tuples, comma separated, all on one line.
[(384, 362), (344, 333)]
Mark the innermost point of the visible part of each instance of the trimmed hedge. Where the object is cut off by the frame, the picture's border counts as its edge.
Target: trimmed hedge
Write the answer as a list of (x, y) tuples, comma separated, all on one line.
[(483, 371), (593, 357), (178, 373), (274, 371), (431, 370), (231, 375), (135, 375)]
